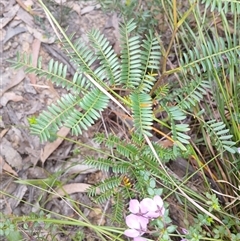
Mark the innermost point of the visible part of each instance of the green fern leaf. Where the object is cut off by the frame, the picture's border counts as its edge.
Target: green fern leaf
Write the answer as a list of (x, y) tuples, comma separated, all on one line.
[(109, 64), (118, 208), (142, 112), (210, 56), (122, 147), (150, 57), (50, 121), (81, 55), (175, 114), (220, 136), (100, 163), (191, 94), (56, 73), (131, 67), (92, 103)]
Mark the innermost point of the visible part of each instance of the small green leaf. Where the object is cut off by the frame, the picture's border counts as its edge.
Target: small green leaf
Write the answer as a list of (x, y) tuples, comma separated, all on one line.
[(14, 235), (32, 120), (152, 183), (171, 228), (150, 191)]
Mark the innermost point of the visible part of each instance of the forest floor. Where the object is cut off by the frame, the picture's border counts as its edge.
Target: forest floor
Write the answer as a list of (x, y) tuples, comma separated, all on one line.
[(23, 96)]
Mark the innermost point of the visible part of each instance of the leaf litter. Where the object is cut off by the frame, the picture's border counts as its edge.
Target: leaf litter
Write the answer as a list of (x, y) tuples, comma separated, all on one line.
[(25, 163)]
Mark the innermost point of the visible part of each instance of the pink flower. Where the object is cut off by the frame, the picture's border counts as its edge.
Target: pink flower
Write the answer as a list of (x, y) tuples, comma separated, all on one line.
[(154, 206), (142, 212), (149, 208), (137, 208), (137, 225)]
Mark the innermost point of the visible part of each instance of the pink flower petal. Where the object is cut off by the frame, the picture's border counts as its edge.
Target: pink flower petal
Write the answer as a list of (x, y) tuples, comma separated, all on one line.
[(153, 207), (134, 206), (139, 239), (143, 222), (136, 222), (146, 205), (132, 233), (132, 221), (158, 200)]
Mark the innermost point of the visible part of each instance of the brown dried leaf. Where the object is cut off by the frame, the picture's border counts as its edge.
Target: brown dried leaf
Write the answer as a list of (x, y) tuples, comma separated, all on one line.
[(51, 147), (87, 9), (71, 188), (10, 96), (3, 132), (5, 167), (41, 36), (11, 156), (9, 16), (17, 195), (166, 143), (16, 79), (76, 8), (25, 17)]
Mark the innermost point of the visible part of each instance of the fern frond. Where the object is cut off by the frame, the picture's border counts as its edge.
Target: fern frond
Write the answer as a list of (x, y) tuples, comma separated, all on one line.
[(123, 148), (138, 61), (127, 150), (220, 136), (138, 140), (191, 94), (81, 55), (100, 163), (175, 114), (150, 57), (109, 184), (115, 165), (225, 6), (118, 208), (142, 112), (162, 91), (92, 103), (104, 197), (107, 188), (109, 64), (141, 161), (50, 121), (165, 154), (80, 82), (131, 67), (100, 138), (121, 167), (56, 73), (140, 185), (209, 56)]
